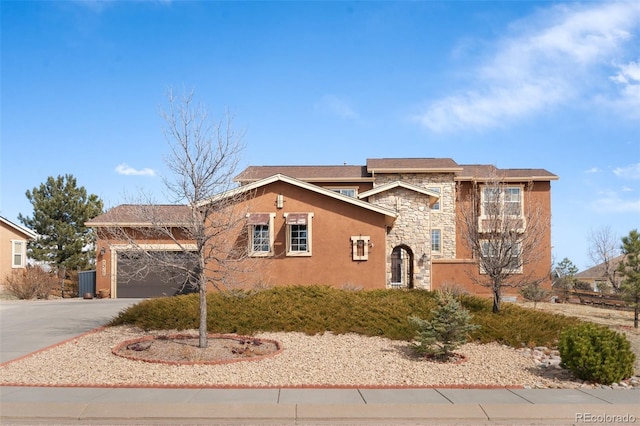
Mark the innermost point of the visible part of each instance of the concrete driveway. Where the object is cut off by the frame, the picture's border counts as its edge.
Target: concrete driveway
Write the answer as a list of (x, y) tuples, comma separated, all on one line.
[(29, 325)]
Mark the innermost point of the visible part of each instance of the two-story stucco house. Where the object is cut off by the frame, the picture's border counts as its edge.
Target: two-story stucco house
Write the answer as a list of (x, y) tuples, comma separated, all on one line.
[(392, 223)]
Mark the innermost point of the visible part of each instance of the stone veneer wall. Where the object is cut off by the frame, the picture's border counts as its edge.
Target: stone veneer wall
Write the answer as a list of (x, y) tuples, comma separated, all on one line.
[(414, 223)]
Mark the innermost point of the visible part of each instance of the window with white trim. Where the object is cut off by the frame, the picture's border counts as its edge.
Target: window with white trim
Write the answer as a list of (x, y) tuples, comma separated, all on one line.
[(349, 192), (436, 240), (438, 189), (260, 234), (360, 247), (498, 200), (298, 233), (505, 252), (18, 253)]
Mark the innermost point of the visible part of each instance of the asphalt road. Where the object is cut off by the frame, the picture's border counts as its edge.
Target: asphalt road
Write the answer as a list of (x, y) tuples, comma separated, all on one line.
[(29, 325)]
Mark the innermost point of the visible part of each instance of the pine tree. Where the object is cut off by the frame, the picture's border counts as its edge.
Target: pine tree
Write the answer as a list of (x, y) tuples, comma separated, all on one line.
[(447, 329), (630, 269), (564, 279), (60, 210), (534, 292)]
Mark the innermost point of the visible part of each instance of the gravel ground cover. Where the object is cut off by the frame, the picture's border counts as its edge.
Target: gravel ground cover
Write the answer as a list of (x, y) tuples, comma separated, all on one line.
[(322, 360), (616, 319)]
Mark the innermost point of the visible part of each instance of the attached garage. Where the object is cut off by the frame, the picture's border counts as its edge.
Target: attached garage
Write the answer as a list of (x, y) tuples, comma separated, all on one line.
[(137, 278)]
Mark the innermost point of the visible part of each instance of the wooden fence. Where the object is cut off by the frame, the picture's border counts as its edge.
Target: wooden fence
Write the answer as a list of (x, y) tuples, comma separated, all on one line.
[(584, 297)]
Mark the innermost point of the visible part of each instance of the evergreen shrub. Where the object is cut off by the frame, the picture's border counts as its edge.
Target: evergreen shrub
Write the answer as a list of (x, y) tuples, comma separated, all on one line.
[(445, 331), (320, 309), (596, 353)]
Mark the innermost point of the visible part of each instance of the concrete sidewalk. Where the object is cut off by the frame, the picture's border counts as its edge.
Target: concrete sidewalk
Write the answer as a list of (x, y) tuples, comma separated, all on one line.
[(32, 405)]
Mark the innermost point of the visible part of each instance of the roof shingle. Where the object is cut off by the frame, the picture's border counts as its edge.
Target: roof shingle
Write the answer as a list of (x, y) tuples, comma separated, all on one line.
[(306, 173), (143, 214), (376, 164)]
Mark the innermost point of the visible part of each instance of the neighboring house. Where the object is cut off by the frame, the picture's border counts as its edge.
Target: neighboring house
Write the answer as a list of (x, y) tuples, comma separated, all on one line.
[(391, 223), (13, 241), (596, 276)]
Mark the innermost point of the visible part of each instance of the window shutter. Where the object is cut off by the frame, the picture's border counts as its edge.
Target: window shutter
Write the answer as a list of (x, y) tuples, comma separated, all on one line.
[(297, 218), (259, 219)]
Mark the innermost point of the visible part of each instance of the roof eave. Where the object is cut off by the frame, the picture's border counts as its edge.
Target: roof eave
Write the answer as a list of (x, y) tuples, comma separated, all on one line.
[(133, 224), (506, 179), (319, 179), (302, 184), (25, 231)]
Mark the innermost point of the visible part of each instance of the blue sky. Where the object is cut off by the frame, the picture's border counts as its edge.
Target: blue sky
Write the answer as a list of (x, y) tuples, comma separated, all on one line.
[(552, 85)]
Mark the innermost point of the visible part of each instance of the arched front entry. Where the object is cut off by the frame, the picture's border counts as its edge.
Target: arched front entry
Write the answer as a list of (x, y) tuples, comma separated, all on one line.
[(402, 267)]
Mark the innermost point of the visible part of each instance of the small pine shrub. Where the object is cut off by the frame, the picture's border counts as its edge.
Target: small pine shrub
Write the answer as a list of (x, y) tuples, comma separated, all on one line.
[(534, 293), (445, 331), (596, 353)]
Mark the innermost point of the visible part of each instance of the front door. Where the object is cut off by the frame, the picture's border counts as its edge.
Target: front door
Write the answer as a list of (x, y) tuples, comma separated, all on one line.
[(402, 267)]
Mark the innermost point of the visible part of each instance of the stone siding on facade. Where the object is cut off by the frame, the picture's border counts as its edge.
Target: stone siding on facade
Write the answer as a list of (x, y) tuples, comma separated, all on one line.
[(412, 228)]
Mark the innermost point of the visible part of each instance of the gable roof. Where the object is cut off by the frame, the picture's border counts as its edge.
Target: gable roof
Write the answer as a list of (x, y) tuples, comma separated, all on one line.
[(21, 229), (475, 172), (433, 196), (412, 165), (598, 270), (389, 214), (142, 215), (178, 215)]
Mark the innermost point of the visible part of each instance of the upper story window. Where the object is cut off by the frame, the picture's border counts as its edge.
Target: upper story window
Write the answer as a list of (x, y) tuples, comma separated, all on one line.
[(513, 201), (438, 189), (349, 192), (298, 233), (261, 234), (502, 200), (18, 254)]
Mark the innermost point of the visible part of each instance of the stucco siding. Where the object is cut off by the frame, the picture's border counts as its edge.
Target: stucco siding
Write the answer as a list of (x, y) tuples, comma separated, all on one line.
[(7, 236), (333, 224)]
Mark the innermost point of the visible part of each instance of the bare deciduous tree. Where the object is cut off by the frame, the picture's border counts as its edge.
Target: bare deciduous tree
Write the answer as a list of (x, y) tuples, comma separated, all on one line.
[(604, 247), (203, 160), (505, 231)]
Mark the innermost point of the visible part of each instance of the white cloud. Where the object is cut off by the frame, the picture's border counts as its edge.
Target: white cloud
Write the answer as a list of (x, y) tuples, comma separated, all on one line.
[(612, 202), (628, 74), (124, 169), (629, 172), (592, 170), (336, 106), (548, 59), (628, 81)]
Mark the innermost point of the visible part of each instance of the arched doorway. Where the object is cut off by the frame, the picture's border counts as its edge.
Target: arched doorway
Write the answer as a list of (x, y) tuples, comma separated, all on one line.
[(402, 267)]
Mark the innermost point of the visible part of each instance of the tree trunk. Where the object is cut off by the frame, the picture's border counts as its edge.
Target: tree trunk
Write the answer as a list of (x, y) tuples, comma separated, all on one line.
[(202, 331), (635, 316), (496, 301)]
